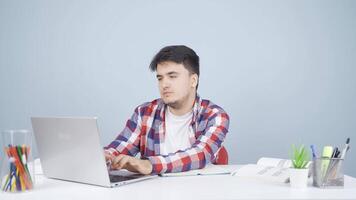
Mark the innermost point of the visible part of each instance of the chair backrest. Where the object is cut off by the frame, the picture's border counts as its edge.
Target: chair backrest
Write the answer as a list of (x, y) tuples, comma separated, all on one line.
[(222, 157)]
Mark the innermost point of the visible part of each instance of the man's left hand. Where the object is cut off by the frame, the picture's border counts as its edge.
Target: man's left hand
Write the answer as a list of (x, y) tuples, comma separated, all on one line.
[(131, 164)]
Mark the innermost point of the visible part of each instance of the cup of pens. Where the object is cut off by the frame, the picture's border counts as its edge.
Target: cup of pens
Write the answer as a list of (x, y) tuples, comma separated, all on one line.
[(328, 172), (17, 169), (328, 169)]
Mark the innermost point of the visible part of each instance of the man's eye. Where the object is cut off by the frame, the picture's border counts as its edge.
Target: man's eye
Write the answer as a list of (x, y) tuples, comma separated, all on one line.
[(173, 76)]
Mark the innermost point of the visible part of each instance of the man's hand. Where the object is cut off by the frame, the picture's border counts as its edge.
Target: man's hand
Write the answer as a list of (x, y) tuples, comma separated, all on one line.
[(130, 163), (108, 158)]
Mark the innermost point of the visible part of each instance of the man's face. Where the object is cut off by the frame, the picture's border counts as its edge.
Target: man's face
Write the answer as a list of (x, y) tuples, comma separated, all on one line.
[(175, 82)]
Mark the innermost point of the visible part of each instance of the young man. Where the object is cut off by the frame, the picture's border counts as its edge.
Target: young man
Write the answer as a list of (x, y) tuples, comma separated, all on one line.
[(178, 132)]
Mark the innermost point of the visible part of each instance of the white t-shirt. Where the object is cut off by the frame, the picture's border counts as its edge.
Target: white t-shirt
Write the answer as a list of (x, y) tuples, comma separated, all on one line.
[(178, 132)]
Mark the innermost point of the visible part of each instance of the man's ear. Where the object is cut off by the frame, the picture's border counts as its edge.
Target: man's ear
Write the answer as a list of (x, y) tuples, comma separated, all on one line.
[(195, 80)]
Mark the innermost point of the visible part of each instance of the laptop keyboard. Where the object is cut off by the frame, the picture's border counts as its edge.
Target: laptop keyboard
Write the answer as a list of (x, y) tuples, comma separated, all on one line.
[(118, 178)]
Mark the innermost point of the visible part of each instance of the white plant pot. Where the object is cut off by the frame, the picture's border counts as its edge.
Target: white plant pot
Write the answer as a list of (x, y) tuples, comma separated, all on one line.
[(298, 177)]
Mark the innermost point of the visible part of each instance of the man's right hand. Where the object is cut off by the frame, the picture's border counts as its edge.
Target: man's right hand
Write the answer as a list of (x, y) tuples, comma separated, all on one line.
[(109, 159)]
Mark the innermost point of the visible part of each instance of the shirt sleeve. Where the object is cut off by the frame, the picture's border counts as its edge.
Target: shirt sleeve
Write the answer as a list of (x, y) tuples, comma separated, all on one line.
[(202, 151), (127, 142)]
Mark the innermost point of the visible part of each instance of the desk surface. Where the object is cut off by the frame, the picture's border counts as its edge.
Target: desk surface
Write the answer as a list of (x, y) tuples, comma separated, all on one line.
[(189, 187)]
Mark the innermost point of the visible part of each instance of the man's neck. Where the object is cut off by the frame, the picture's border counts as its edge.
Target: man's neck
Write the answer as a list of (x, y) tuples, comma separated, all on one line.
[(185, 107)]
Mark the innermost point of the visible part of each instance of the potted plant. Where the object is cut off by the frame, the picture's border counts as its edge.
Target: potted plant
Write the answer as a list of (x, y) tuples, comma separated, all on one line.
[(299, 170)]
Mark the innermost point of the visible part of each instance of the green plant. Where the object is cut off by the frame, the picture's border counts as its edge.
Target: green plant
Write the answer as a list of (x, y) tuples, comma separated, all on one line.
[(299, 157)]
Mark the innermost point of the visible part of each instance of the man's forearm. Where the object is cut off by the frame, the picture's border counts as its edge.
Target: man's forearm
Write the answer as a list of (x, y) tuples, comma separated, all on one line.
[(146, 167)]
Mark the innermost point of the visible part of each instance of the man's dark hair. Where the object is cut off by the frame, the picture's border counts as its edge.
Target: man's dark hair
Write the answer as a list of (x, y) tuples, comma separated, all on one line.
[(179, 54)]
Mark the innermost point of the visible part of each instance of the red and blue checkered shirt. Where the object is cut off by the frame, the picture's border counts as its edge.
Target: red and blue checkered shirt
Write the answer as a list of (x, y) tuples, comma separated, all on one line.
[(145, 131)]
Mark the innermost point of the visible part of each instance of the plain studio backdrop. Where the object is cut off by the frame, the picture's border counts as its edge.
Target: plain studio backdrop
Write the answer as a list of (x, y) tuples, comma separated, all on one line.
[(283, 70)]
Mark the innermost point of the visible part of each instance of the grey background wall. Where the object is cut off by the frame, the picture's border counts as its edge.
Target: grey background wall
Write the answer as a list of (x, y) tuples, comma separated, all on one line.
[(283, 70)]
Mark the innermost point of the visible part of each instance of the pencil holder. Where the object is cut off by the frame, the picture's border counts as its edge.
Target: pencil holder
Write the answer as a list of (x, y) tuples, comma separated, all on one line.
[(17, 168), (328, 172)]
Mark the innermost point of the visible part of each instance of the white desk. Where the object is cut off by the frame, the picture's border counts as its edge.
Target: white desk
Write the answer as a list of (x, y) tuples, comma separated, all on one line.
[(193, 187)]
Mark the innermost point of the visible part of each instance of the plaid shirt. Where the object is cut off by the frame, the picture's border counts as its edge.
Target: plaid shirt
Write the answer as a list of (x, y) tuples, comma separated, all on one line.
[(145, 131)]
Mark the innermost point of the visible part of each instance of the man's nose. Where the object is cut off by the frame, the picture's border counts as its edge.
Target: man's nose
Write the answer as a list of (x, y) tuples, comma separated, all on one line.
[(165, 84)]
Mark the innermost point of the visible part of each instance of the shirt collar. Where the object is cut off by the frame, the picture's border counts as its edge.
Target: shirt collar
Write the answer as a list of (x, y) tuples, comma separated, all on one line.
[(196, 109)]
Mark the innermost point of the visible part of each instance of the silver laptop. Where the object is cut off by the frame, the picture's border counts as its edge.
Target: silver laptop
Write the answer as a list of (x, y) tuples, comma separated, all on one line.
[(70, 149)]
